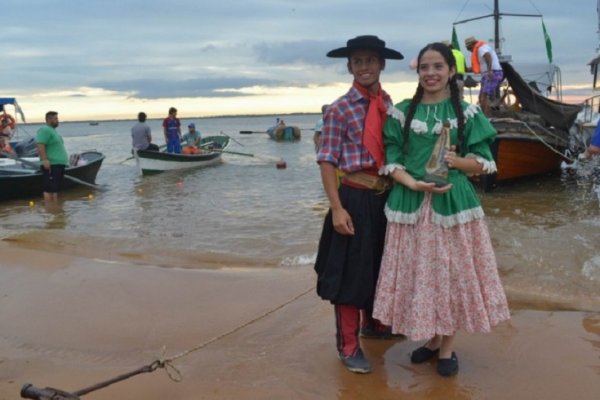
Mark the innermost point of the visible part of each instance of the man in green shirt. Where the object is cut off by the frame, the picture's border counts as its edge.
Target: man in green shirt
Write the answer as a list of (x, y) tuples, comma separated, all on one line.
[(53, 156)]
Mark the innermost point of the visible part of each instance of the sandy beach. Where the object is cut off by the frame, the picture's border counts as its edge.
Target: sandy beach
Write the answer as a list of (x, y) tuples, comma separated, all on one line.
[(70, 322)]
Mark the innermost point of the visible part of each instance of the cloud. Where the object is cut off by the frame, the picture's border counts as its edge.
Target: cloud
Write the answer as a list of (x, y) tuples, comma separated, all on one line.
[(149, 49), (208, 87), (309, 52)]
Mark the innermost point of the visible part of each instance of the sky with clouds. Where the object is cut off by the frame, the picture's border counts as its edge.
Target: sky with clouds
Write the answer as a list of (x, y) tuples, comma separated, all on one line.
[(109, 59)]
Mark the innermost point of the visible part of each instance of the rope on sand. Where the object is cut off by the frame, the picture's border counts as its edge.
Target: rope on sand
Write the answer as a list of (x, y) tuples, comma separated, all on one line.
[(29, 391), (167, 363)]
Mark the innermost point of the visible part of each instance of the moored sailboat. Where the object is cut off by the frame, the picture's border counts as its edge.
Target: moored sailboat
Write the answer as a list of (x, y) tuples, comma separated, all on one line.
[(533, 130)]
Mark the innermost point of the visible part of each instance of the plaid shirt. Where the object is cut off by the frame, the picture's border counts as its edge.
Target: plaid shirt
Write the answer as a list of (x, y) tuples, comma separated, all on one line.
[(342, 133)]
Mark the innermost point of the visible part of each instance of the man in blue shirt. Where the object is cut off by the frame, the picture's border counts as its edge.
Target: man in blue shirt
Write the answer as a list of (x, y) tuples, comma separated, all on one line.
[(172, 131)]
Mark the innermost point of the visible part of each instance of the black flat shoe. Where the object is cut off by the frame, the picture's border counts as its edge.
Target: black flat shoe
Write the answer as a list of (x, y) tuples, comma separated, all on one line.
[(448, 366), (423, 354)]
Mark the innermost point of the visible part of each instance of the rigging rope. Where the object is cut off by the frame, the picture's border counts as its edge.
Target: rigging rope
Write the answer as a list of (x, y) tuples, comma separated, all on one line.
[(541, 139), (544, 142)]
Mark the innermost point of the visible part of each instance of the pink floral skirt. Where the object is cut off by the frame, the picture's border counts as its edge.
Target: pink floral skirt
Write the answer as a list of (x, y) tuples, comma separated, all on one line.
[(437, 280)]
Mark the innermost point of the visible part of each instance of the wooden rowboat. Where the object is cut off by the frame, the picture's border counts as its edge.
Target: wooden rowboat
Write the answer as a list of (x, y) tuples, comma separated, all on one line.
[(532, 141), (153, 162), (533, 130)]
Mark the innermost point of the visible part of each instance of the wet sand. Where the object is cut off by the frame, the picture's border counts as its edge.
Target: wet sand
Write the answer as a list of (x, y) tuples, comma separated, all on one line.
[(262, 333)]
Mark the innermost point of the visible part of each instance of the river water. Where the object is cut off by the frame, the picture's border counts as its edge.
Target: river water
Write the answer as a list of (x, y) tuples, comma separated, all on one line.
[(246, 212)]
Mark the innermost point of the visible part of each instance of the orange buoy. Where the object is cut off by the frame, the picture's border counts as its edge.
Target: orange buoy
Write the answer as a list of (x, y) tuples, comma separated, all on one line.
[(281, 164)]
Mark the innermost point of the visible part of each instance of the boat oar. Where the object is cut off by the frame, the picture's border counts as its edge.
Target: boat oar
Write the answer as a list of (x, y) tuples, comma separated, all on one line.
[(279, 162), (37, 166), (132, 157), (224, 134), (249, 132), (237, 153), (127, 159)]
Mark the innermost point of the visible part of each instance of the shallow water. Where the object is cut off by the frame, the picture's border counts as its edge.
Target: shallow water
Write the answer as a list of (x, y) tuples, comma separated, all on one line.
[(246, 212)]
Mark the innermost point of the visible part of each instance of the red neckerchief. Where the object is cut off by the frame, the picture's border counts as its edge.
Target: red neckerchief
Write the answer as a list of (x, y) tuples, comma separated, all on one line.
[(373, 130)]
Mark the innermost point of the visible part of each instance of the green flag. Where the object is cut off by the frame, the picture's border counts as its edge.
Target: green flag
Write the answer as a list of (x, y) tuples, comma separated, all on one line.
[(455, 43), (548, 43)]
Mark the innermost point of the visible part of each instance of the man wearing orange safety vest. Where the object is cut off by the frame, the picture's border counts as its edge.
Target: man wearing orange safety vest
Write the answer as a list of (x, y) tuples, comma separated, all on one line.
[(484, 61)]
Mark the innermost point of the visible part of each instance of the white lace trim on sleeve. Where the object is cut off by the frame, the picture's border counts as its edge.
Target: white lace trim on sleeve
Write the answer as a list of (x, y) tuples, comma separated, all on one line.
[(389, 168), (489, 167)]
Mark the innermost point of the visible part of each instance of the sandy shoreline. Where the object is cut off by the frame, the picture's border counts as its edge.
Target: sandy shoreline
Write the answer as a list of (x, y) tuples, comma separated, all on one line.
[(70, 322)]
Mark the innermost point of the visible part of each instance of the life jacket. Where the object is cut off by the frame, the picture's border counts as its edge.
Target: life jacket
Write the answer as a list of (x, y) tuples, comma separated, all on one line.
[(460, 61), (7, 148), (475, 66)]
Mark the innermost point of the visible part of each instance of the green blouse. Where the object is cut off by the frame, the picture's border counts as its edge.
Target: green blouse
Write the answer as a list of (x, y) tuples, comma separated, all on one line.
[(461, 203)]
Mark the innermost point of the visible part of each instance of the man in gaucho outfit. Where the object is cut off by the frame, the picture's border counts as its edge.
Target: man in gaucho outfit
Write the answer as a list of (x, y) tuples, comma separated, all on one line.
[(353, 234)]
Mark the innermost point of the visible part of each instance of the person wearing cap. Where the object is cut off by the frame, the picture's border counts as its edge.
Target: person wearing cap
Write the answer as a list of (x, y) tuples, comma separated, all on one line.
[(461, 67), (484, 61), (141, 135), (192, 140), (351, 243), (172, 131)]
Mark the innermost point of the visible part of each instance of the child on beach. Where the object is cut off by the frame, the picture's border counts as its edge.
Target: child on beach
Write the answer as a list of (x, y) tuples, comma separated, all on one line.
[(438, 272)]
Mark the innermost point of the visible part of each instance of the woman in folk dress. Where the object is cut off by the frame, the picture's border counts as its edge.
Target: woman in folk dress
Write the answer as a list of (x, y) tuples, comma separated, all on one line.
[(439, 272)]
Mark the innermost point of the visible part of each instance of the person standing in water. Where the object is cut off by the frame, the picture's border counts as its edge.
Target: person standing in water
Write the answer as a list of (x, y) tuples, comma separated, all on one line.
[(319, 128), (53, 156)]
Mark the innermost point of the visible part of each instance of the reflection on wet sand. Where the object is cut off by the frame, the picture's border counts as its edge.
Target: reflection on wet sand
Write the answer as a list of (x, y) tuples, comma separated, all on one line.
[(93, 320)]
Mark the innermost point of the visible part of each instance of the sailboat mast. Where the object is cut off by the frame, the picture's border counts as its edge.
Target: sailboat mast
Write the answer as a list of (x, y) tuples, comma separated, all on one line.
[(598, 31), (497, 28), (496, 15)]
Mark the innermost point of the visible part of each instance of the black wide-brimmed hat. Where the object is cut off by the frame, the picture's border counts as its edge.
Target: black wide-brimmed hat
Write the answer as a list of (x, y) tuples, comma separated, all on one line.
[(369, 42)]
